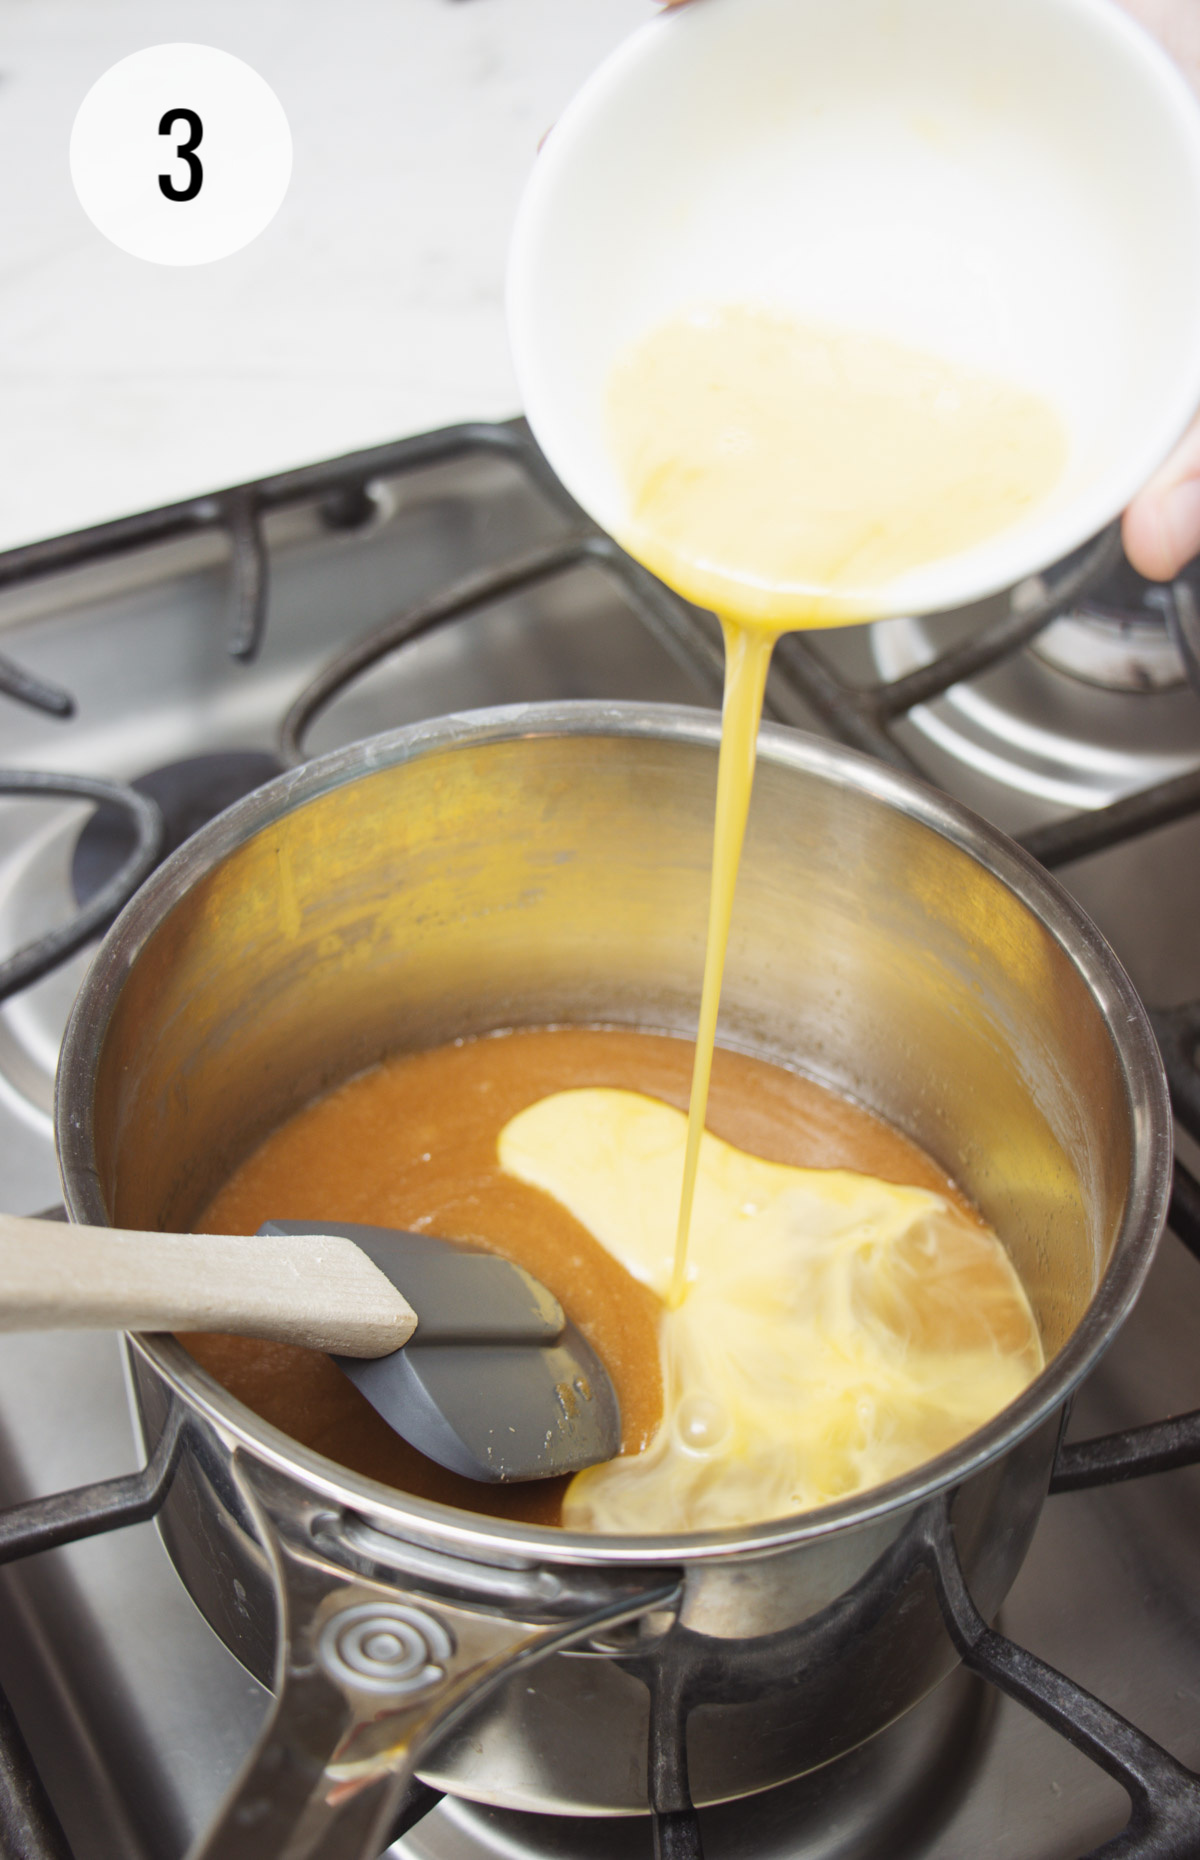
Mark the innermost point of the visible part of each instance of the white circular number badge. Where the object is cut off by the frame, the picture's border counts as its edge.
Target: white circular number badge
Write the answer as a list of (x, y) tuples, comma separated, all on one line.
[(181, 154)]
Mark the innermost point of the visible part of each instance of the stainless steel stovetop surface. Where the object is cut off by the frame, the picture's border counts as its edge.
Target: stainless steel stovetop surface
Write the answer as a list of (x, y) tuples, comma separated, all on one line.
[(137, 1715)]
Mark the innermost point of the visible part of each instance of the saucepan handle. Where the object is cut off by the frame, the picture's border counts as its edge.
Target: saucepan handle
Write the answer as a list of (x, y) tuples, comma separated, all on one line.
[(368, 1675)]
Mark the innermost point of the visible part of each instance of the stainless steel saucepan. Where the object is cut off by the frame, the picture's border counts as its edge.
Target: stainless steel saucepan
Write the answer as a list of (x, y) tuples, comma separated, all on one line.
[(550, 864)]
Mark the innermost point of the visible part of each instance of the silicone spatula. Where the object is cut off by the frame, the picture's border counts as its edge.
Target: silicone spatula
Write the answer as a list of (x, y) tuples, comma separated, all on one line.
[(494, 1384)]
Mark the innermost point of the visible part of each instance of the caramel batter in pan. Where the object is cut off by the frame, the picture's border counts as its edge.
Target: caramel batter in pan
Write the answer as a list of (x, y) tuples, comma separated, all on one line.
[(413, 1144)]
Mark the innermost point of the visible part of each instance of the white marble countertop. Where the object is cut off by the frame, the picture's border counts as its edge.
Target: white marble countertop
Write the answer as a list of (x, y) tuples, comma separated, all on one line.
[(372, 305)]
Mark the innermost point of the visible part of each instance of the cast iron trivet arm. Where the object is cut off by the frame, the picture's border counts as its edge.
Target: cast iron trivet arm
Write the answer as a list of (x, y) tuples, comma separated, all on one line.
[(343, 492), (677, 1836), (17, 683), (983, 650), (522, 574), (1177, 1031), (29, 1827), (1162, 1446), (1157, 1446), (91, 1510), (1080, 835), (1184, 1216), (1165, 1823), (690, 1671), (861, 714), (249, 591), (36, 959), (848, 711), (675, 1823), (340, 487)]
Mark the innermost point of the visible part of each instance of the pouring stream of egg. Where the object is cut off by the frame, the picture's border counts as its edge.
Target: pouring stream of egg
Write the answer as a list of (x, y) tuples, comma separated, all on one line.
[(786, 475)]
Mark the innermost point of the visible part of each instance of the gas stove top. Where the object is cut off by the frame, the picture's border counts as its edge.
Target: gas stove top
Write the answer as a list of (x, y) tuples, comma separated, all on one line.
[(195, 650)]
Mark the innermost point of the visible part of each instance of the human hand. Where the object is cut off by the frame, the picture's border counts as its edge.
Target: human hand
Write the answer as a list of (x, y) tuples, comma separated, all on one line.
[(1161, 528)]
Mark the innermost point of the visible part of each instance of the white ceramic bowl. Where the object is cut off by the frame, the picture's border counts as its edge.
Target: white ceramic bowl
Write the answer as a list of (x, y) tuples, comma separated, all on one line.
[(1014, 184)]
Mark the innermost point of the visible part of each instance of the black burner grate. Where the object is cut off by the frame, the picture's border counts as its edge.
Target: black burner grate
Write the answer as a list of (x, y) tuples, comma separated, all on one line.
[(185, 795), (141, 838), (862, 716), (1165, 1796)]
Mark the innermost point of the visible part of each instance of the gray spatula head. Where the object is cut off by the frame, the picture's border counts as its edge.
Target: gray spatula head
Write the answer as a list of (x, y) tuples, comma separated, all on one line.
[(495, 1384)]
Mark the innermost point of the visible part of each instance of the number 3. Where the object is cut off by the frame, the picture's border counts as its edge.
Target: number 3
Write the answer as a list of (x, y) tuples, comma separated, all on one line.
[(185, 153)]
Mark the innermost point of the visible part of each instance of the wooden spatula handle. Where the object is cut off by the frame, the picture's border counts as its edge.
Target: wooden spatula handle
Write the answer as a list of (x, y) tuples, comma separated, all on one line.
[(313, 1289)]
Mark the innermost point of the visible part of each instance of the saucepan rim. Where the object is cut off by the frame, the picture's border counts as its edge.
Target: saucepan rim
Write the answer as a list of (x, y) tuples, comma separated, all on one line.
[(480, 1539)]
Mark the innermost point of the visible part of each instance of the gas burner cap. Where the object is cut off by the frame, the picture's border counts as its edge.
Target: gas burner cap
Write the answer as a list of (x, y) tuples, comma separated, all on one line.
[(189, 794), (1118, 637), (1117, 652), (1098, 706)]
